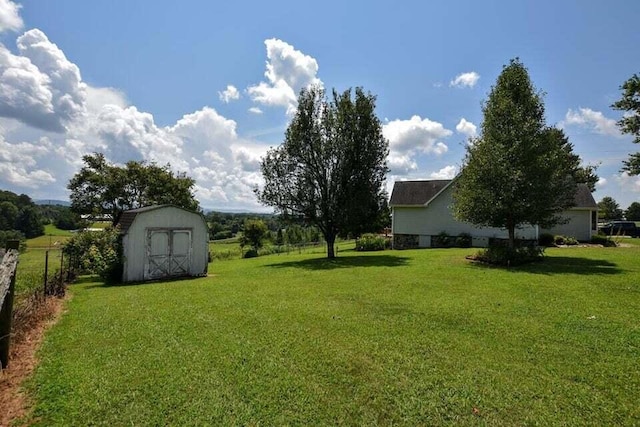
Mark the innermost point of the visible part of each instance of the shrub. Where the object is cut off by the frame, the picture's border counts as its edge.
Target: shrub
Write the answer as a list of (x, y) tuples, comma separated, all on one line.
[(251, 253), (442, 240), (546, 239), (221, 235), (605, 241), (564, 240), (504, 255), (464, 240), (98, 252), (371, 242)]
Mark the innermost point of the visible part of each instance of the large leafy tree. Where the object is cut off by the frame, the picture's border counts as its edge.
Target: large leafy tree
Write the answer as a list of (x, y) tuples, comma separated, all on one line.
[(609, 209), (331, 168), (104, 188), (633, 212), (630, 123), (518, 171)]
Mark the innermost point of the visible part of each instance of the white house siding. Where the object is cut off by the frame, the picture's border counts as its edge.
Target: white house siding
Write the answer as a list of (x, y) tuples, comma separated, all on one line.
[(578, 227), (135, 240), (438, 217)]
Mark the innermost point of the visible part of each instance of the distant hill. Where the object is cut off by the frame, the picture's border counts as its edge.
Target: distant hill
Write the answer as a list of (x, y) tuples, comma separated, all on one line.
[(52, 202)]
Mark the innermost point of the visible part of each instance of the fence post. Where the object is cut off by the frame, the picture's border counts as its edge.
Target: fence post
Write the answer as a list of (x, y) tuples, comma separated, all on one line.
[(46, 271), (6, 312)]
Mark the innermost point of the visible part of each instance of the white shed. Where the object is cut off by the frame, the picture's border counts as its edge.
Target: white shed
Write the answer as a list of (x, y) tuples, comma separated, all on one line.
[(163, 241)]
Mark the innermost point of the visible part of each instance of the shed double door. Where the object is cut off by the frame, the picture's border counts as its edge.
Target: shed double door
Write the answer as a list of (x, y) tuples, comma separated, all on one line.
[(168, 253)]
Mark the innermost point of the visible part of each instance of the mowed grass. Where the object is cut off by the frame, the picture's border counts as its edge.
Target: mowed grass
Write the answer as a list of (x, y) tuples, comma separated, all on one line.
[(389, 338)]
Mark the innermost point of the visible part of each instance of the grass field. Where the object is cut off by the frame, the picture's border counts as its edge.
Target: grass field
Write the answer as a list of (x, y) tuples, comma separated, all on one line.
[(396, 337)]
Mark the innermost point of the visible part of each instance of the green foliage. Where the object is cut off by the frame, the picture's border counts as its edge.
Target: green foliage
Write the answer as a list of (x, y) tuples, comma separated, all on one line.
[(633, 212), (251, 253), (546, 239), (18, 212), (464, 240), (372, 242), (97, 252), (510, 256), (220, 235), (630, 122), (605, 241), (331, 168), (6, 235), (253, 234), (518, 171), (442, 240), (560, 240), (103, 188), (608, 209)]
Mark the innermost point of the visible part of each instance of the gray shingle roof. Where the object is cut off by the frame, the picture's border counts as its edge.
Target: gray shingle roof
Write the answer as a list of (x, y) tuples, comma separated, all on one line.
[(417, 193)]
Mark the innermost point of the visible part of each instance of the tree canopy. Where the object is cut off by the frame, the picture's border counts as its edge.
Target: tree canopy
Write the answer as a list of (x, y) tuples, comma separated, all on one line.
[(331, 168), (18, 212), (609, 209), (518, 171), (630, 122), (633, 212), (103, 188)]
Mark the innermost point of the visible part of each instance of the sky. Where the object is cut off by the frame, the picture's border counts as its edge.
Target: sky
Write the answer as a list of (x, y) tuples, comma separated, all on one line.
[(209, 87)]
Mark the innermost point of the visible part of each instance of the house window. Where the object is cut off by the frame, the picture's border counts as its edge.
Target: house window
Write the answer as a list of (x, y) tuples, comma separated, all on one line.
[(594, 220)]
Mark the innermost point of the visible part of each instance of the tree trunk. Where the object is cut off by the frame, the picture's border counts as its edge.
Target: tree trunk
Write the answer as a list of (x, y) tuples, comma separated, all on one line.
[(331, 240), (512, 235)]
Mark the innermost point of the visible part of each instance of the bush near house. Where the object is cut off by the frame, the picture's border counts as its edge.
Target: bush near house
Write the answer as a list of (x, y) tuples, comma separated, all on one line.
[(97, 252), (372, 242)]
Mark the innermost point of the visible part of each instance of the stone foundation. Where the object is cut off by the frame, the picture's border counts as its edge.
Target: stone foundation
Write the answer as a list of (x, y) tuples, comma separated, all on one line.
[(405, 241)]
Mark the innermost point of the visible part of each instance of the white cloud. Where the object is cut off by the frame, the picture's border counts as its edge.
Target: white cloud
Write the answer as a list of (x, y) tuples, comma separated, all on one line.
[(602, 181), (416, 134), (466, 128), (229, 94), (447, 172), (255, 110), (40, 87), (591, 119), (10, 19), (628, 182), (409, 138), (465, 80), (19, 165), (288, 71)]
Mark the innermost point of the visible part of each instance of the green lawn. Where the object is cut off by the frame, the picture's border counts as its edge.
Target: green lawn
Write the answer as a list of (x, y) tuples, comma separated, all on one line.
[(396, 337)]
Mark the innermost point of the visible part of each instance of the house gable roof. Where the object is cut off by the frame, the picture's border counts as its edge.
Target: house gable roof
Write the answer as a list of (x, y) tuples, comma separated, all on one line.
[(416, 193), (419, 193)]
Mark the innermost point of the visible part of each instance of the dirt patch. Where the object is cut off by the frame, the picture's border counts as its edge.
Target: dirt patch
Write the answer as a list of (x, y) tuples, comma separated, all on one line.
[(22, 361)]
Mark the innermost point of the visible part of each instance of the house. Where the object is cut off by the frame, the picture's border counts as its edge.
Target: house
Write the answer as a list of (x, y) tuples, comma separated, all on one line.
[(421, 210), (163, 241)]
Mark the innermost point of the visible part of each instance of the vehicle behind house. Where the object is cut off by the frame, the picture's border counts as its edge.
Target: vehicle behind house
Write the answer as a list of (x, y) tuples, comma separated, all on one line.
[(620, 228)]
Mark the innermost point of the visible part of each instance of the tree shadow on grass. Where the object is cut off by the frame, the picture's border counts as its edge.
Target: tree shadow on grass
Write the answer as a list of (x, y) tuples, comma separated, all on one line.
[(344, 262), (564, 265)]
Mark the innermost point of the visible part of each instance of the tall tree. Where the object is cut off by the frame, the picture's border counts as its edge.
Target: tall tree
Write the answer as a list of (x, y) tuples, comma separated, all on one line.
[(103, 188), (518, 171), (609, 209), (630, 122), (331, 168), (633, 212)]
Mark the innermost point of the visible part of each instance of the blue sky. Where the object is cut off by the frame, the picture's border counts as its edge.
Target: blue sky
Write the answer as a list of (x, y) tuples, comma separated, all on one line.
[(210, 86)]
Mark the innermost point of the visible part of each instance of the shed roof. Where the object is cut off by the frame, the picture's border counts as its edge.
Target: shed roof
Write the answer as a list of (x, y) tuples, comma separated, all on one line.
[(418, 193), (127, 217)]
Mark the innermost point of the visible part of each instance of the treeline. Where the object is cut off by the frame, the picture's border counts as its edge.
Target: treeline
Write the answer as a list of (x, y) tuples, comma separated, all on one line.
[(19, 218), (225, 225)]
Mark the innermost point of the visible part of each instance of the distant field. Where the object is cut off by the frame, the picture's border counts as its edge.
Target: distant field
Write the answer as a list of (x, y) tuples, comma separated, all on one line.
[(417, 337)]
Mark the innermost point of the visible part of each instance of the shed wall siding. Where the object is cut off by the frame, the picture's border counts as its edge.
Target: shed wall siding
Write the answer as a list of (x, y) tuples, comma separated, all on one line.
[(438, 217), (134, 242), (579, 225)]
